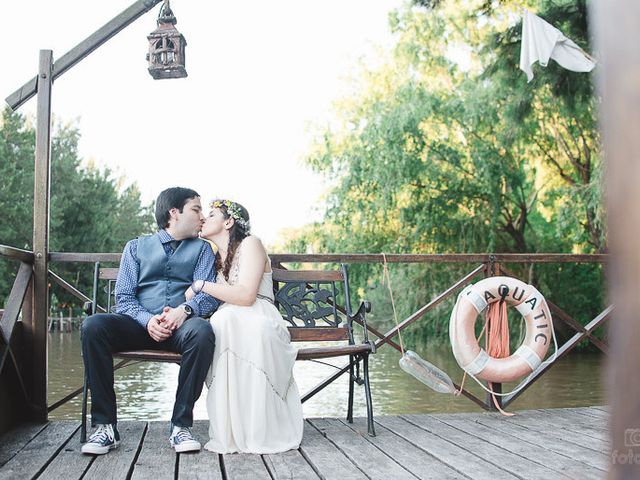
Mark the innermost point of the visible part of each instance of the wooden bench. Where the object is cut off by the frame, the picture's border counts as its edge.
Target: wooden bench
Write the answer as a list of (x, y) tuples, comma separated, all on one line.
[(310, 303)]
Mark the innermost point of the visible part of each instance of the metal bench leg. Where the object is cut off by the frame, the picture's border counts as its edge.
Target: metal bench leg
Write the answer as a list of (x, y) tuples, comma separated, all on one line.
[(351, 382), (367, 390), (83, 426)]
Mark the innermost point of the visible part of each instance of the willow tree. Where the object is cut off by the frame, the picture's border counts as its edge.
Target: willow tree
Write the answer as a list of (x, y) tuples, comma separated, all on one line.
[(447, 148)]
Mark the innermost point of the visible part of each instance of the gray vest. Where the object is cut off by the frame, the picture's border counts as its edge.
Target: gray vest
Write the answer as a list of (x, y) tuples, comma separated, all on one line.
[(163, 280)]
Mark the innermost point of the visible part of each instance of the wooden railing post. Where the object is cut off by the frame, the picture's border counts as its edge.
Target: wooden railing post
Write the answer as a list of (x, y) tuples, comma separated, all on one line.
[(37, 334)]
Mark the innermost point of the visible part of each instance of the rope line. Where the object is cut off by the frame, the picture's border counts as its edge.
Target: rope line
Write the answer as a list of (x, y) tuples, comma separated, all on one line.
[(385, 275)]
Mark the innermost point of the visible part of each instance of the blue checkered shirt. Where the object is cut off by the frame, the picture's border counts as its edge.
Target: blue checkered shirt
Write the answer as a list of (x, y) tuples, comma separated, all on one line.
[(127, 283)]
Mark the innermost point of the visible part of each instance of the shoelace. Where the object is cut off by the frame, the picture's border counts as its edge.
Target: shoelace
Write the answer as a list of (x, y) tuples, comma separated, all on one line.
[(101, 435), (184, 434)]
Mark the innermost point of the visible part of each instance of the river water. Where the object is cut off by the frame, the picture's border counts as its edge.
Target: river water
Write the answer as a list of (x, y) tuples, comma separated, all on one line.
[(146, 390)]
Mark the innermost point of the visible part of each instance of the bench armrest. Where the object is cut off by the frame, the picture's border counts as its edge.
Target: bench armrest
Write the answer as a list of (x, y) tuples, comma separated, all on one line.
[(360, 317)]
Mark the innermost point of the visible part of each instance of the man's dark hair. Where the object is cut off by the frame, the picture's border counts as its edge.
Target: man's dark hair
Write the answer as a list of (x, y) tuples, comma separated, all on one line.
[(175, 197)]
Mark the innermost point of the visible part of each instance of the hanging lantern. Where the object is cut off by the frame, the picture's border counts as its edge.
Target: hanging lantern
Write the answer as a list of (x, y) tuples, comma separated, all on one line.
[(166, 47)]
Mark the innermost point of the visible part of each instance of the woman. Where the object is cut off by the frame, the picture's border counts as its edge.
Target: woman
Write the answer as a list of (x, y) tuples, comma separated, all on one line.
[(253, 401)]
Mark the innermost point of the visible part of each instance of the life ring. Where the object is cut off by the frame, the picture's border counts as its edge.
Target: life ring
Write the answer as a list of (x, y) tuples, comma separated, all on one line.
[(473, 300)]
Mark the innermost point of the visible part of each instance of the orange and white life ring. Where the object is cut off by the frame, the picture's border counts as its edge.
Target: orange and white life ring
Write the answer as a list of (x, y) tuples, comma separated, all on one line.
[(473, 300)]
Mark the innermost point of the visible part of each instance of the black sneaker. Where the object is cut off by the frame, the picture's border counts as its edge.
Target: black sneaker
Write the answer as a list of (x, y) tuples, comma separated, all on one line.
[(105, 438)]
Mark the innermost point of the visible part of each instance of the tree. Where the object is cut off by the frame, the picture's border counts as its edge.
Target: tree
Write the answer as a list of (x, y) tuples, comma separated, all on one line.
[(555, 116), (447, 148), (89, 211)]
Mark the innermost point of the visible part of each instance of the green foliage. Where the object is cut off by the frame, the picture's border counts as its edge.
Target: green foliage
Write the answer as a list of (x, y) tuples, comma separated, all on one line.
[(89, 211), (448, 149)]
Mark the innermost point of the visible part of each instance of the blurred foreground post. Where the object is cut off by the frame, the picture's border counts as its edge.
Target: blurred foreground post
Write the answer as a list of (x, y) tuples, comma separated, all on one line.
[(616, 24)]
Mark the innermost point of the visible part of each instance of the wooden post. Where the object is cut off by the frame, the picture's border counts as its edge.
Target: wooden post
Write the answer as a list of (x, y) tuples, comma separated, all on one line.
[(37, 334), (616, 22)]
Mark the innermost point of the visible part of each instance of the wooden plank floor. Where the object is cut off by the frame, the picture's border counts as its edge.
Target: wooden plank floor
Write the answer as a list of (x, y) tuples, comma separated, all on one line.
[(534, 444)]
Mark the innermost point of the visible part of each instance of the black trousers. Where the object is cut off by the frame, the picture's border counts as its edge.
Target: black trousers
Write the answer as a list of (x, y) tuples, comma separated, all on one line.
[(106, 333)]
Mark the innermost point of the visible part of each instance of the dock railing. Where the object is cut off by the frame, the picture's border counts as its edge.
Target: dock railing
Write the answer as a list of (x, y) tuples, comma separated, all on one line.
[(19, 372)]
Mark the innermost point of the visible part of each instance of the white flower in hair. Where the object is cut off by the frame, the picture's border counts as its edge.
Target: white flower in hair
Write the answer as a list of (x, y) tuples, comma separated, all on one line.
[(234, 211)]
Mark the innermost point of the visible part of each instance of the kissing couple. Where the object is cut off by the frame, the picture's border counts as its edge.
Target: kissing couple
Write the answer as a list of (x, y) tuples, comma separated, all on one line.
[(168, 285)]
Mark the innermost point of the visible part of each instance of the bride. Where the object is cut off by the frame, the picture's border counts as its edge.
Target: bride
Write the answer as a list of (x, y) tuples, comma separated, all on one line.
[(253, 401)]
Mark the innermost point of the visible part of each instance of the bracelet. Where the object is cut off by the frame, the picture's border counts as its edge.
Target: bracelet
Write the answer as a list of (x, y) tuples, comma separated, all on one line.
[(194, 286)]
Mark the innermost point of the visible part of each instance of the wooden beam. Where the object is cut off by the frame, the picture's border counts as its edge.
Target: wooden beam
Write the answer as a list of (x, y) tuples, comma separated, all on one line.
[(440, 258), (84, 48), (312, 353), (577, 326), (68, 287), (282, 275), (14, 302), (16, 253), (432, 304), (64, 257), (10, 315), (279, 258), (562, 351), (615, 22), (568, 320), (318, 334), (36, 331)]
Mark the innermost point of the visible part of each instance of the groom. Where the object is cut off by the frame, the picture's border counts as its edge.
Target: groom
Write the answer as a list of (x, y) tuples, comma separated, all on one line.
[(151, 313)]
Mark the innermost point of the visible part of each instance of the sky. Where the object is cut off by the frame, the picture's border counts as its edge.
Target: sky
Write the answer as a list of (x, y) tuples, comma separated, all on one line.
[(262, 77)]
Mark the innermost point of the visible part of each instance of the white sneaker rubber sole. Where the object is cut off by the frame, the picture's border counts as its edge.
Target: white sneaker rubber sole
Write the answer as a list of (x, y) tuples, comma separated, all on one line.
[(187, 447), (94, 449)]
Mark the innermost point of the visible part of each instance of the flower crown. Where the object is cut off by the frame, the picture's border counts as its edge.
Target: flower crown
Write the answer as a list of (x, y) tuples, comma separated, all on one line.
[(234, 211)]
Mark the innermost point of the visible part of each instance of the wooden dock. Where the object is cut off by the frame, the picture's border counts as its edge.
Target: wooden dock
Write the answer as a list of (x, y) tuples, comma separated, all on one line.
[(534, 444)]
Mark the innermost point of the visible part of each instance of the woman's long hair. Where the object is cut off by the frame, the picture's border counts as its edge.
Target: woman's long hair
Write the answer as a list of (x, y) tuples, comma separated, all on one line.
[(239, 231)]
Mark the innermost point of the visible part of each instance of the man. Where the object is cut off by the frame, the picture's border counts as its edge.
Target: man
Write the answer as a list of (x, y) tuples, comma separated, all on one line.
[(151, 313)]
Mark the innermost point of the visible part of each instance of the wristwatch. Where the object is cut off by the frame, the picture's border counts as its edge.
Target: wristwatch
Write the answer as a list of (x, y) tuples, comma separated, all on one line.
[(187, 309)]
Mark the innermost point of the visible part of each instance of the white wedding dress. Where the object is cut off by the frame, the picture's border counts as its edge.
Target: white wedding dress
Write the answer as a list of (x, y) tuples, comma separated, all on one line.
[(253, 401)]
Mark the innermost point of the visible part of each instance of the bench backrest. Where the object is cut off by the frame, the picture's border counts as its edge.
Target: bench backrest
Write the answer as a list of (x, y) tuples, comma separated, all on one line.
[(108, 274), (309, 300), (312, 302)]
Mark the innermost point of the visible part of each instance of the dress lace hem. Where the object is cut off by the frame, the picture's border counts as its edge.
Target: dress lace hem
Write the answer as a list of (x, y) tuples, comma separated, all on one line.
[(283, 396)]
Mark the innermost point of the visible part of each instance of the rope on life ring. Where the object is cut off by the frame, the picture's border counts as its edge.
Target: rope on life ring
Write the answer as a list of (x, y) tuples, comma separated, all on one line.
[(473, 359)]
